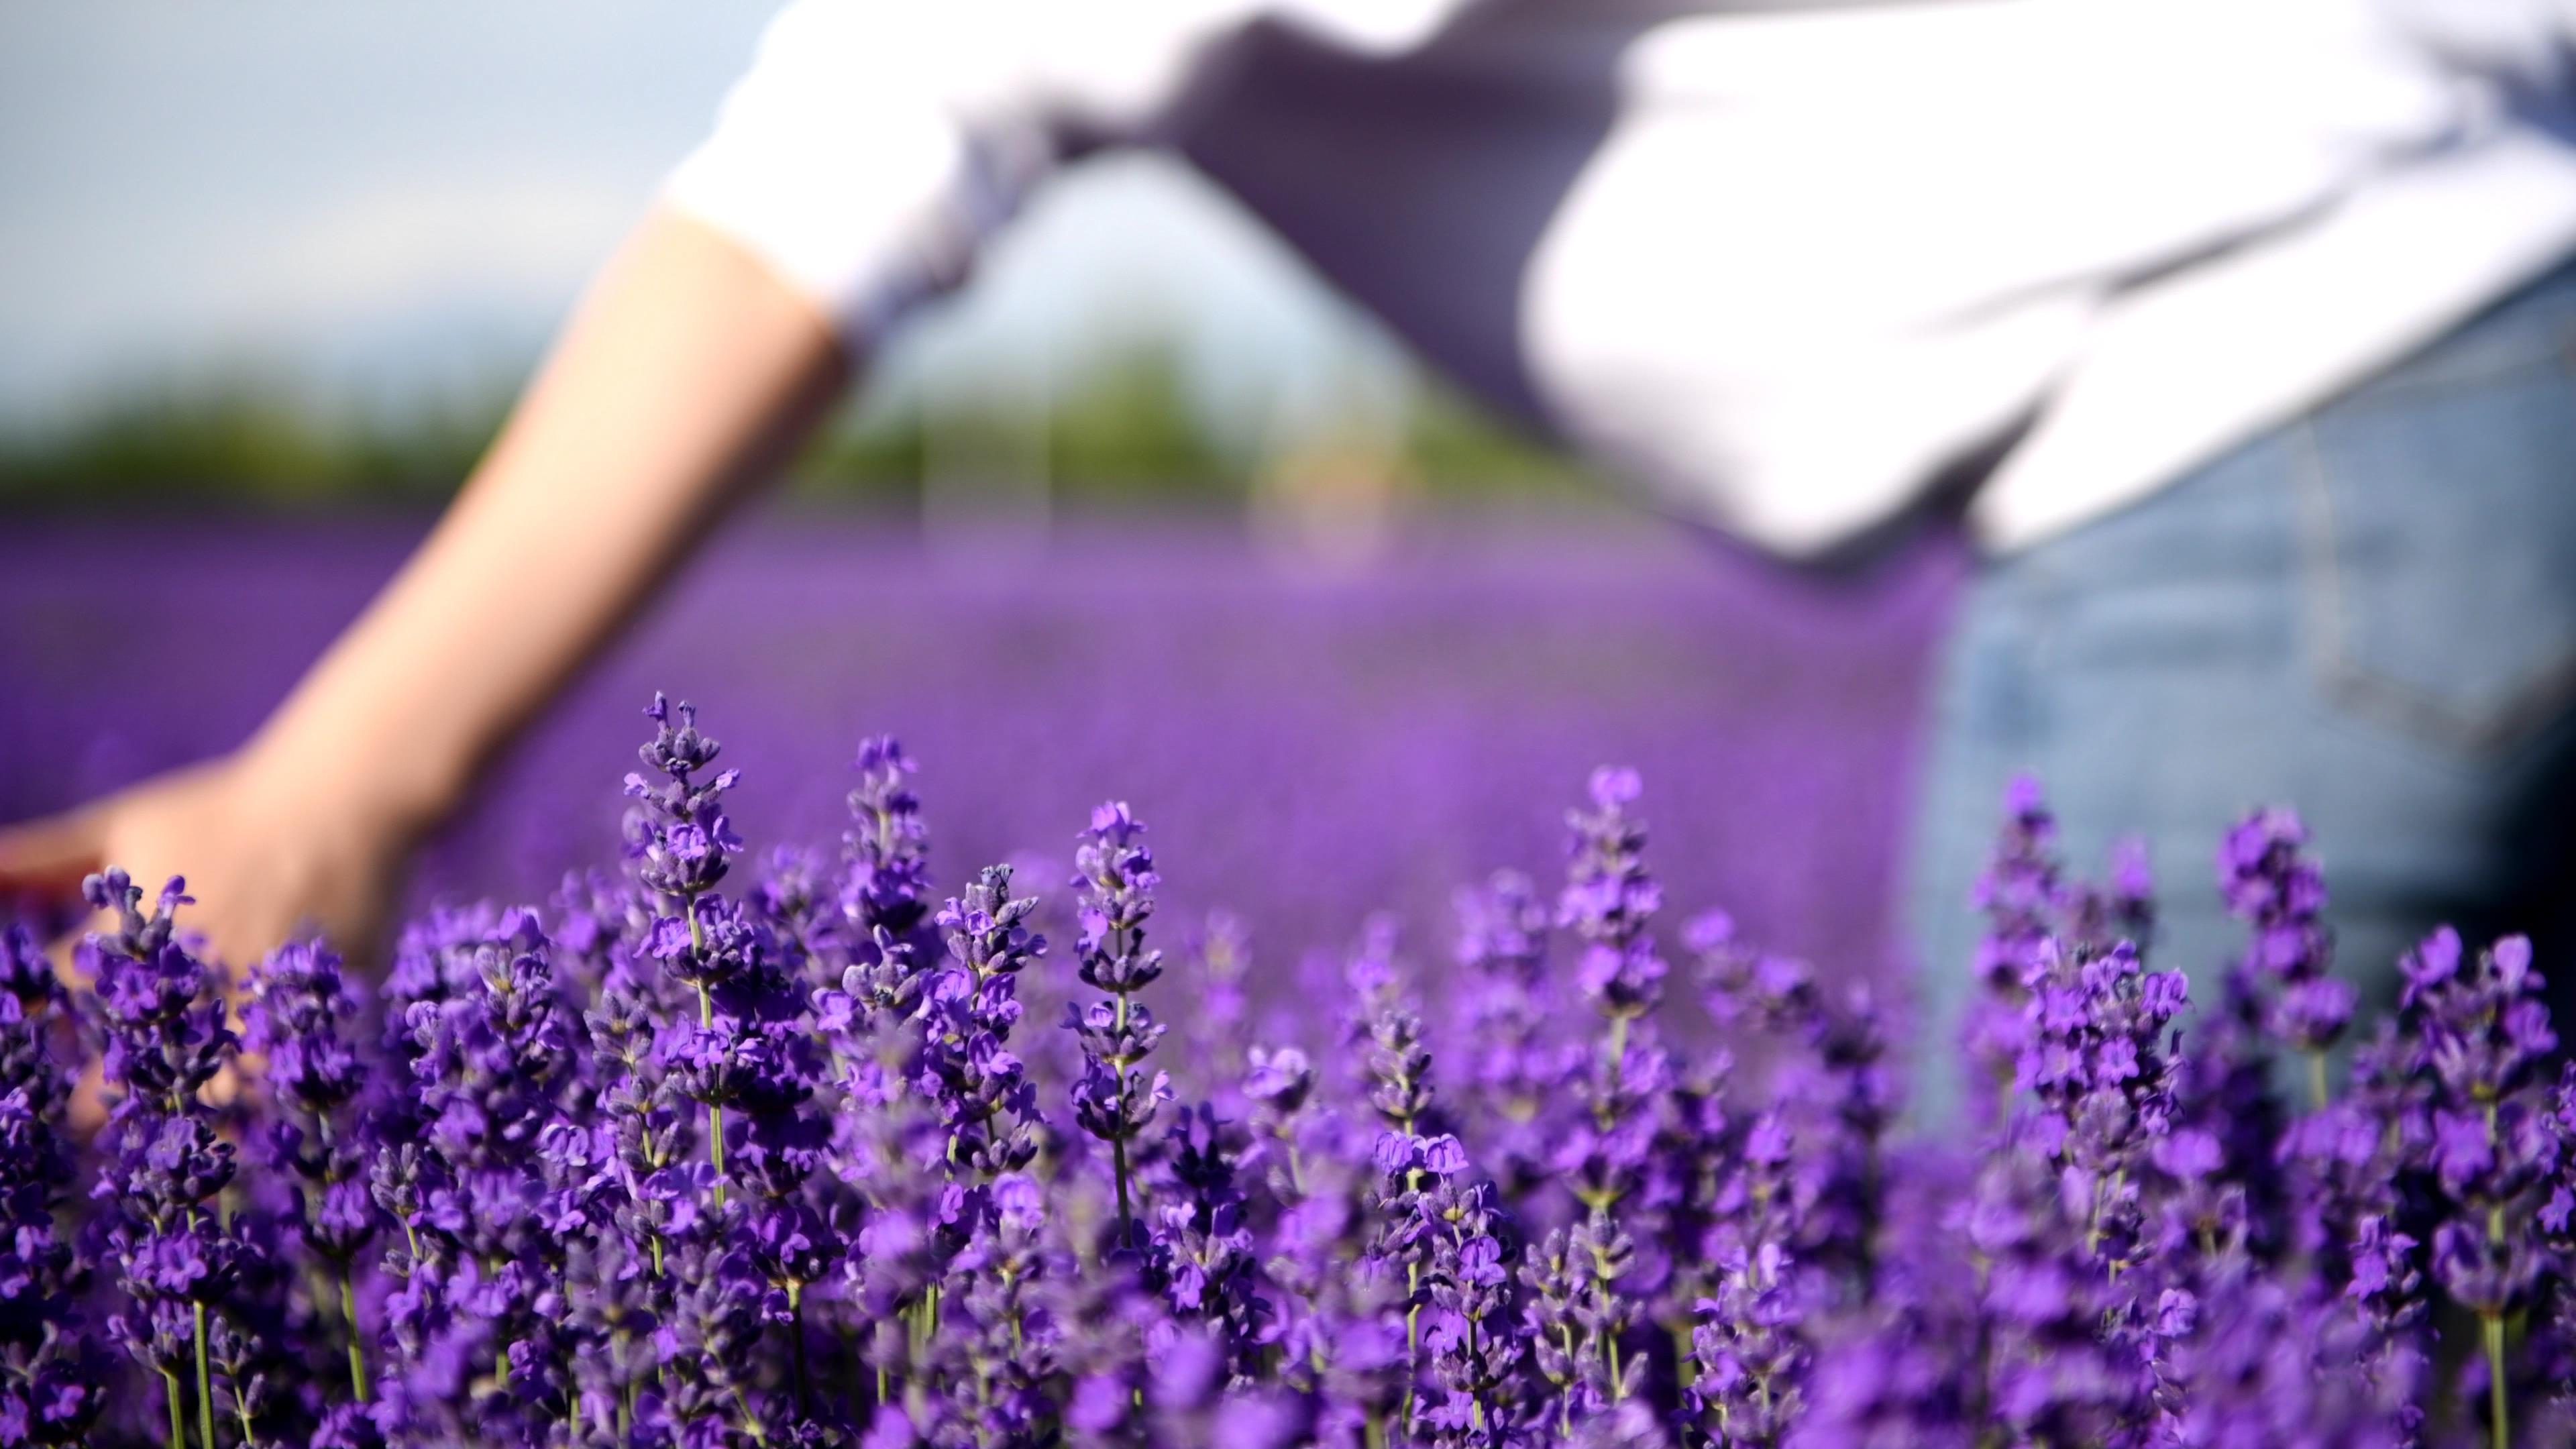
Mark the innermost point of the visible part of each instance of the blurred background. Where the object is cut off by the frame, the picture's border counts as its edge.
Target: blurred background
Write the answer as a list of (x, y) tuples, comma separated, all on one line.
[(1144, 511)]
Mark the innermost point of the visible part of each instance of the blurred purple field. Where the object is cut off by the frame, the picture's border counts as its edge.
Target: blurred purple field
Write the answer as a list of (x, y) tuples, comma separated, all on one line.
[(1307, 745)]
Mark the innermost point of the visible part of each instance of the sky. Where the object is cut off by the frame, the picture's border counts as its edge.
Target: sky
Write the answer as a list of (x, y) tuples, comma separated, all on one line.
[(399, 199)]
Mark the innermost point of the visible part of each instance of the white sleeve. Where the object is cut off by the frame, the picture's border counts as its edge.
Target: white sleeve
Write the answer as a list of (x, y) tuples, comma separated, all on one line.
[(874, 144)]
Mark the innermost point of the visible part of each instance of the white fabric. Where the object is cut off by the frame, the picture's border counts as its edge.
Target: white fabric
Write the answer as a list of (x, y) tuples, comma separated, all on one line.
[(1816, 254)]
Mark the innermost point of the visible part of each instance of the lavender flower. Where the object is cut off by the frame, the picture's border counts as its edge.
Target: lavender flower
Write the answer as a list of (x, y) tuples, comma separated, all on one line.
[(1750, 1356), (1561, 1320), (2269, 882), (166, 1038), (1202, 1253), (2360, 1202), (2259, 1367), (50, 1375), (1193, 1406), (886, 883), (2095, 1059), (794, 900), (1472, 1329), (2485, 1034), (2019, 895), (1514, 1065), (684, 842), (2052, 1377), (301, 1016), (480, 1270), (1220, 963), (1000, 1357), (2218, 1182), (707, 1385), (1280, 1086), (1900, 1385), (1609, 899), (1114, 871), (1749, 1347), (982, 1090), (682, 837), (2101, 918), (1836, 1076), (1399, 1069)]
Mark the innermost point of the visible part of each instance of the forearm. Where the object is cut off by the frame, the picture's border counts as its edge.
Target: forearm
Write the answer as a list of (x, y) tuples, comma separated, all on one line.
[(686, 373)]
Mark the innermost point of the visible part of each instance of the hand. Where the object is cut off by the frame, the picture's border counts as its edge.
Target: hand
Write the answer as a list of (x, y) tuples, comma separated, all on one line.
[(266, 857)]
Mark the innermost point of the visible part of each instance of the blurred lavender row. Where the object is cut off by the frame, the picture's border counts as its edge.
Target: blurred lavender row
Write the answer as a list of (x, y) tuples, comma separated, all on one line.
[(1313, 742)]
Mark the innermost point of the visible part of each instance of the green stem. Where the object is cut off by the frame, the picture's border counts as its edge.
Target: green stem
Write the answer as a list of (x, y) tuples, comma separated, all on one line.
[(1126, 1215), (1565, 1399), (715, 1135), (1118, 1144), (1127, 1210), (2498, 1418), (1617, 1056), (178, 1429), (715, 1114), (1475, 1393), (750, 1420), (1412, 1339), (2317, 1078), (205, 1387), (357, 1349)]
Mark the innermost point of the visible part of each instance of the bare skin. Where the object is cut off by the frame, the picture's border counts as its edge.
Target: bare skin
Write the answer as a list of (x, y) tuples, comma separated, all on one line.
[(688, 373)]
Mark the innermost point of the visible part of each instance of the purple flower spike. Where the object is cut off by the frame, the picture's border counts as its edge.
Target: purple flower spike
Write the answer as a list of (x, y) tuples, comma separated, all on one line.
[(51, 1372), (1609, 899), (302, 1015), (886, 886), (178, 1258), (1115, 1101), (684, 839), (2271, 884)]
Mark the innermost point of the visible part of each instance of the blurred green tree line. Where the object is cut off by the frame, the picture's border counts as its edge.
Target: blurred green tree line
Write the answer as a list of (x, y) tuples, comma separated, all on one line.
[(1124, 432)]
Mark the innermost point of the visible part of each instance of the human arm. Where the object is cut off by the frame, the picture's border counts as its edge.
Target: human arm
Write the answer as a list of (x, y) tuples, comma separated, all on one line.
[(688, 371)]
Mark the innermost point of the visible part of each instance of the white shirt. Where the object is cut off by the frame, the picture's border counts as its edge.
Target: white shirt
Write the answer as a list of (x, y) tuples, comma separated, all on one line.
[(1786, 265)]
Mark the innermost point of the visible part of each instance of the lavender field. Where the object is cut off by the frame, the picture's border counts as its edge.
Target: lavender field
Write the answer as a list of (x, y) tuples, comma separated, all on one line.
[(788, 1158), (1311, 745)]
